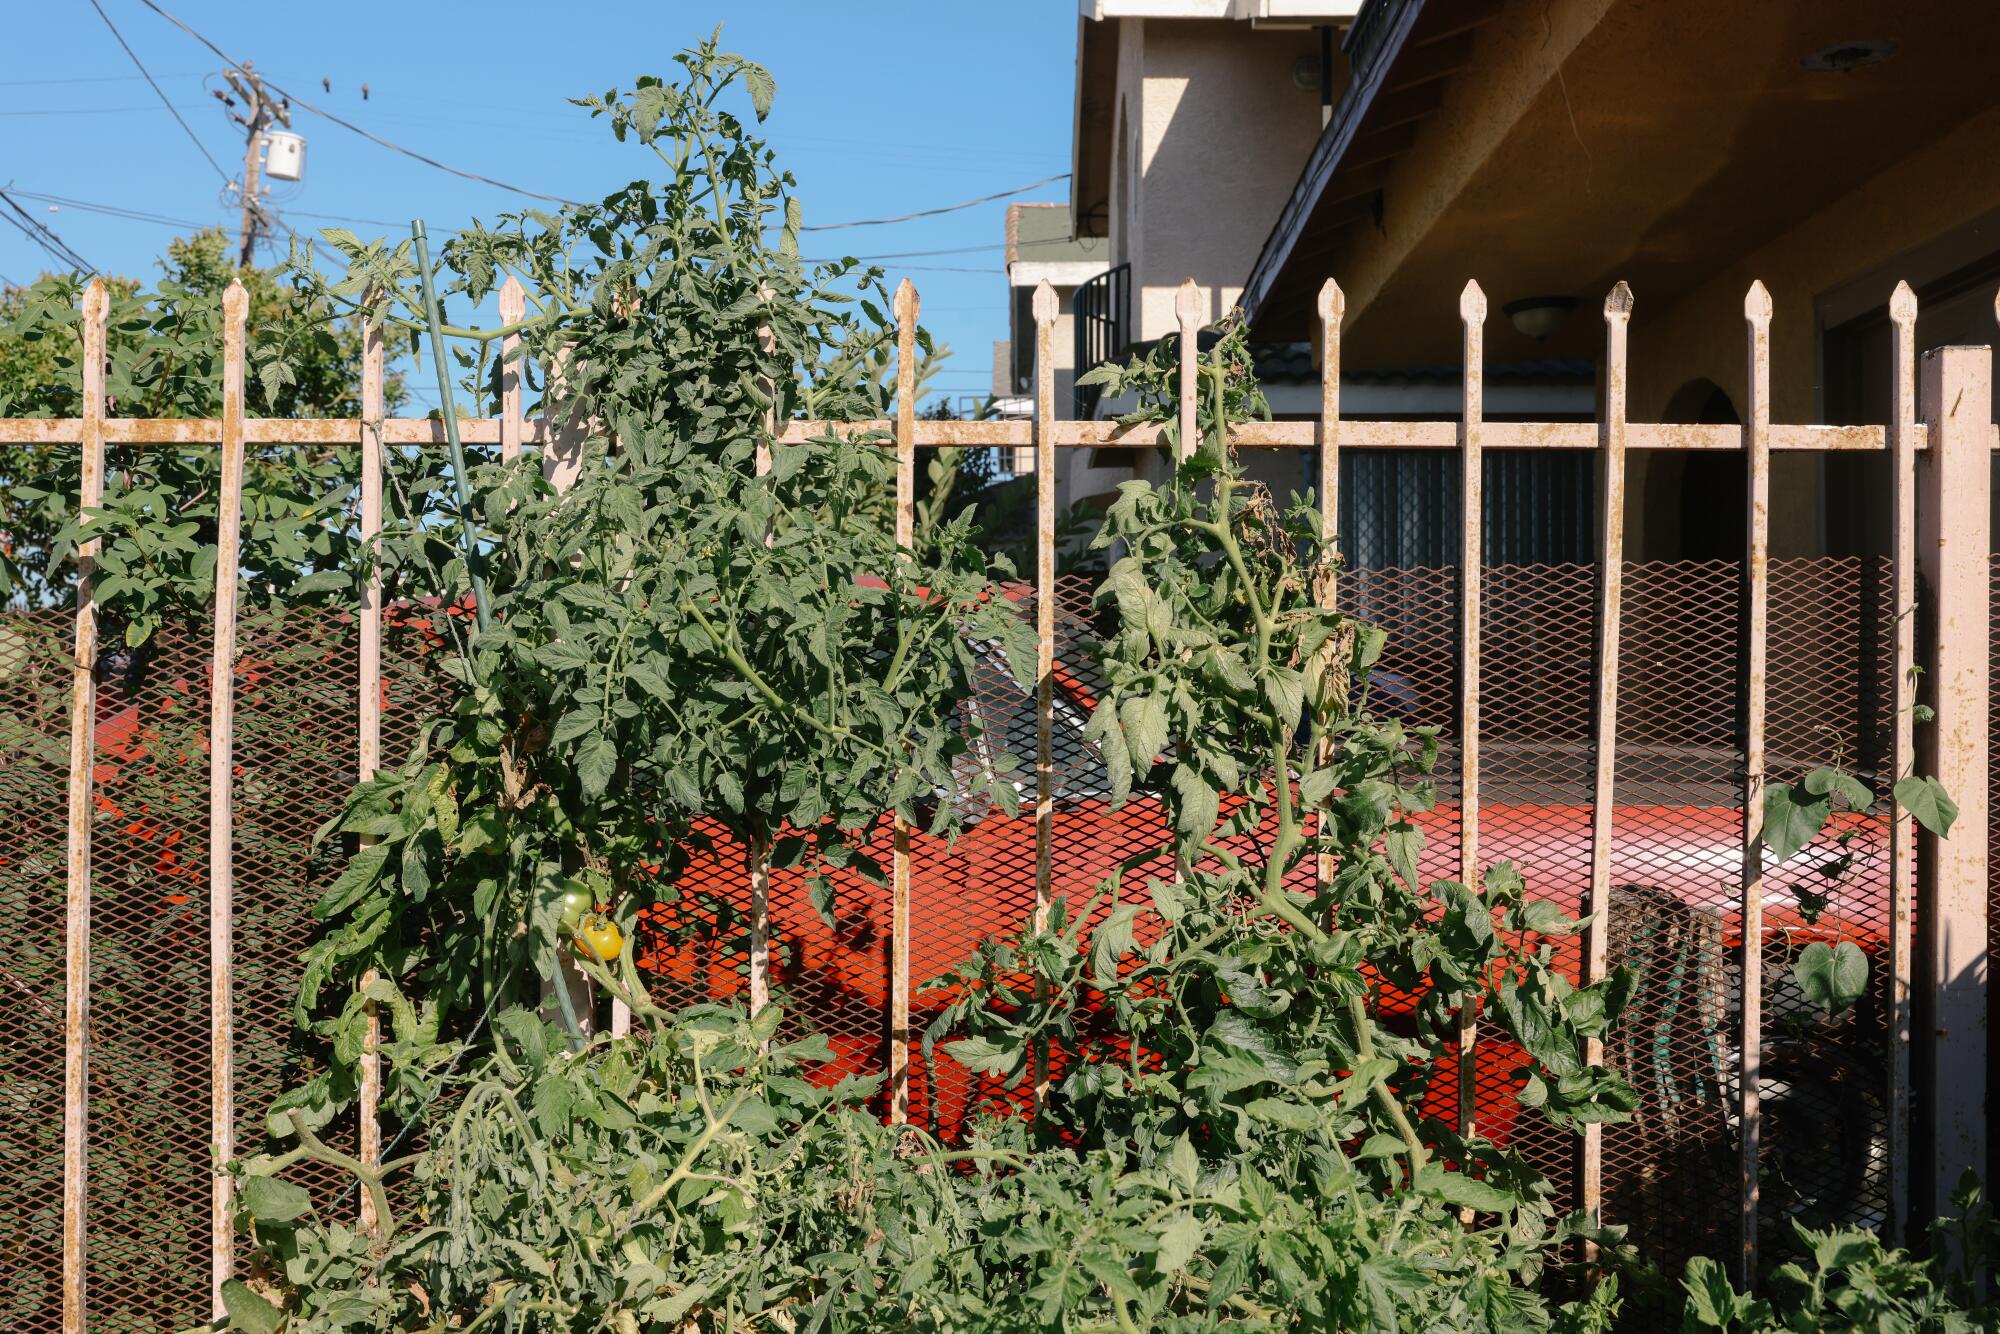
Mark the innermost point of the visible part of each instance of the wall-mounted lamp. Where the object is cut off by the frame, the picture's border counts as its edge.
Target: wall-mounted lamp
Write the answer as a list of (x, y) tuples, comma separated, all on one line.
[(1539, 316)]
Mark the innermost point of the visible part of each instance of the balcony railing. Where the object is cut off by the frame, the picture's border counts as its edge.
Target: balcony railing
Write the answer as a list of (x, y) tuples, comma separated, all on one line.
[(1102, 309)]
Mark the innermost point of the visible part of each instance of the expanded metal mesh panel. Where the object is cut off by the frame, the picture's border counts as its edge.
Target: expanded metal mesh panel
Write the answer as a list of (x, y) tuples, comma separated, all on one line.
[(34, 775), (1417, 679), (296, 729), (295, 760), (1670, 1172), (148, 1198), (1826, 1077), (1537, 697)]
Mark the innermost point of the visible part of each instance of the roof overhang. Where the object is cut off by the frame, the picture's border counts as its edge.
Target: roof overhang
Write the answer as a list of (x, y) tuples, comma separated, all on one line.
[(1658, 144)]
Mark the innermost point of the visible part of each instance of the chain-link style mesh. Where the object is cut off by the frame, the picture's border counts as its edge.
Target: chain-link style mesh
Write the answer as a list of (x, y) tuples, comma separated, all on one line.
[(34, 778)]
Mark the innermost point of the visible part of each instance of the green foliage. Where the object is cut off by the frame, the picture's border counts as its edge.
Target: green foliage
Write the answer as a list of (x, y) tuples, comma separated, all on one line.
[(678, 635), (164, 359), (1846, 1279), (1834, 976)]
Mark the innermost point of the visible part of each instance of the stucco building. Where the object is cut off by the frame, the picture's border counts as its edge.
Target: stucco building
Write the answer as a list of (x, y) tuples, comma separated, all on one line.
[(1549, 148)]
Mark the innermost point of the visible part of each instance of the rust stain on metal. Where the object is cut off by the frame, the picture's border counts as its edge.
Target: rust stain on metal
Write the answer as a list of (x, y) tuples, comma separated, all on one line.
[(1187, 310), (1757, 560), (221, 798), (513, 302), (82, 760), (907, 309), (368, 723), (1611, 593), (1471, 568)]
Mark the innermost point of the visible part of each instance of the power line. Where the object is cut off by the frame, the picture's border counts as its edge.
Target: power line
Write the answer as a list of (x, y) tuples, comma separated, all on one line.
[(920, 213), (29, 226), (109, 210), (348, 124), (159, 92)]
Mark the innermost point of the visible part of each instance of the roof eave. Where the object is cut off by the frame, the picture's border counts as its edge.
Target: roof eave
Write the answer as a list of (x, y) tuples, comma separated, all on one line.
[(1380, 31)]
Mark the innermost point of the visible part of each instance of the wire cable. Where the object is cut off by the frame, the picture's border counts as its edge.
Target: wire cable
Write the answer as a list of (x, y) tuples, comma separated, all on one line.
[(109, 210), (349, 125), (159, 92), (44, 237), (921, 213)]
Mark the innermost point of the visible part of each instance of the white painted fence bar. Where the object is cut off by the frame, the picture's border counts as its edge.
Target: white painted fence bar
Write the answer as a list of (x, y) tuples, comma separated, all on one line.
[(1044, 310), (1471, 572), (222, 798), (539, 431), (1610, 601), (1954, 545), (1757, 581), (1332, 304), (368, 719), (1902, 829), (82, 764), (907, 310), (757, 850)]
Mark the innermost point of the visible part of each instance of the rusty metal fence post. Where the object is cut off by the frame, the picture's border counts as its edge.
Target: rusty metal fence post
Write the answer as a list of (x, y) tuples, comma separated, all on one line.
[(221, 798), (1610, 599), (1756, 594), (1471, 569), (1954, 546), (907, 308), (82, 763), (1902, 841), (368, 719)]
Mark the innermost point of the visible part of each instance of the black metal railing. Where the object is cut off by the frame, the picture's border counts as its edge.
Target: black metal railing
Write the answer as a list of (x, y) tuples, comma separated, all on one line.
[(1102, 310)]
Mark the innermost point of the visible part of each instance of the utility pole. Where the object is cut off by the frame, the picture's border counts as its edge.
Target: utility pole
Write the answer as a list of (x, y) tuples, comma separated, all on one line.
[(256, 111)]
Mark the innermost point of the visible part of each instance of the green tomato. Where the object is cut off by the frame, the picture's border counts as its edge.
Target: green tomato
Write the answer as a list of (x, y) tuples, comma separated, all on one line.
[(576, 901)]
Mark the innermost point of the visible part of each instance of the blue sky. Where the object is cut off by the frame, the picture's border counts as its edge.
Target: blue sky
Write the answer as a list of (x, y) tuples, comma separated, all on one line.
[(882, 109)]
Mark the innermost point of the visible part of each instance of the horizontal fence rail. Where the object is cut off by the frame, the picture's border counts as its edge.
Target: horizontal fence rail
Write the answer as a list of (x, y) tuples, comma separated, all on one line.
[(1606, 723)]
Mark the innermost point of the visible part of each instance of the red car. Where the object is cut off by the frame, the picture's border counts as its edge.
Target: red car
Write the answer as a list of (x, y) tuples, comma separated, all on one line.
[(1676, 915)]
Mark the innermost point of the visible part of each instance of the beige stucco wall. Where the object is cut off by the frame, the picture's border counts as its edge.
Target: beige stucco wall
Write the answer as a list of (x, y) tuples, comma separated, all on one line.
[(1222, 132), (1699, 334)]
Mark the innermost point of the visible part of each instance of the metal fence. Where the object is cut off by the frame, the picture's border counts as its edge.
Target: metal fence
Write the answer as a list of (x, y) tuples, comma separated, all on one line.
[(1609, 727)]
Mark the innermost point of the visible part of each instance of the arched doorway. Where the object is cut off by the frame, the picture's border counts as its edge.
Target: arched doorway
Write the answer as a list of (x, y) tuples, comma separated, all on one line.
[(1704, 488)]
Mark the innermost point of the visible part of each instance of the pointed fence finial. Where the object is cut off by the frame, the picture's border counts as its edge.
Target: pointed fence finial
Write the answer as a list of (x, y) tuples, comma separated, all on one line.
[(1618, 304), (1757, 303), (907, 304), (1472, 302), (1188, 304), (1332, 301), (1044, 305), (1902, 304)]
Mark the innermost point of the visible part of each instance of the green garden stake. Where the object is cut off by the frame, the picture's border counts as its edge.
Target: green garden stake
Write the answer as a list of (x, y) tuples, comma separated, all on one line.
[(474, 561)]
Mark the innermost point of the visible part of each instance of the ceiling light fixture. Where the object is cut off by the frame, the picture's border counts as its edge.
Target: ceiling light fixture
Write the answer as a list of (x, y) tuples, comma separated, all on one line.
[(1539, 316), (1842, 57)]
